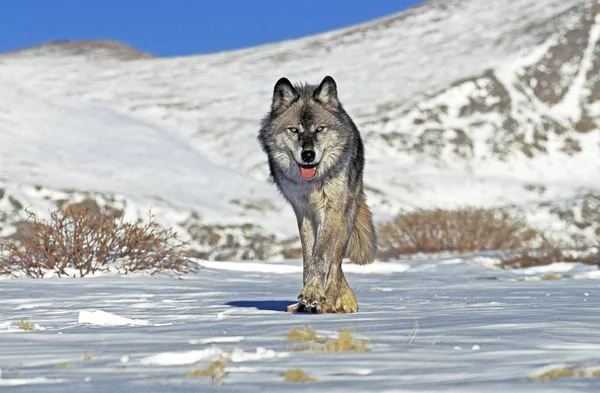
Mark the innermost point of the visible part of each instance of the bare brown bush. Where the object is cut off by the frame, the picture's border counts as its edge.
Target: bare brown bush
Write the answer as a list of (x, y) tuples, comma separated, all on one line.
[(4, 270), (547, 253), (81, 240), (460, 230), (476, 230)]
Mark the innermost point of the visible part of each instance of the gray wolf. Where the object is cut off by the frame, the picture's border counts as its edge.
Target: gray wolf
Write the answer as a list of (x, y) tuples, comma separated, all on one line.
[(316, 158)]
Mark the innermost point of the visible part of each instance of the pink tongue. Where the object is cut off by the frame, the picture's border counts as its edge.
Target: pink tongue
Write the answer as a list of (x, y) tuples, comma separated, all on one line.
[(308, 173)]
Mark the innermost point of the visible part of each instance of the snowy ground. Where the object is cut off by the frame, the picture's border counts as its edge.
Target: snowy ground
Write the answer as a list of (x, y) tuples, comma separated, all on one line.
[(437, 325)]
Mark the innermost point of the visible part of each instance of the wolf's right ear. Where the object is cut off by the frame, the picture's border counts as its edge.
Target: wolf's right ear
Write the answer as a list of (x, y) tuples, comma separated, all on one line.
[(326, 92), (284, 94)]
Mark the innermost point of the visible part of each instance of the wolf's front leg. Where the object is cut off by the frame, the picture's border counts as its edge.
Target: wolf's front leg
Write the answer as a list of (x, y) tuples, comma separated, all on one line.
[(340, 297), (328, 250), (307, 239)]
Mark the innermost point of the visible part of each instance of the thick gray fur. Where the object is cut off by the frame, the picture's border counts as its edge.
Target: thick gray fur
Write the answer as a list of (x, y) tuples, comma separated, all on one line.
[(333, 217)]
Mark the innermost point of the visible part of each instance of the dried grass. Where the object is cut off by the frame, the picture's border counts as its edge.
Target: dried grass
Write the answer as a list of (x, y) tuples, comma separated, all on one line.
[(302, 334), (566, 372), (345, 341), (215, 371), (64, 366), (297, 375), (27, 325), (87, 357)]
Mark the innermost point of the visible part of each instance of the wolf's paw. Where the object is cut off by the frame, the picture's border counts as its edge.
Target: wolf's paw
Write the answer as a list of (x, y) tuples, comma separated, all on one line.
[(341, 307), (302, 308), (313, 294), (345, 303)]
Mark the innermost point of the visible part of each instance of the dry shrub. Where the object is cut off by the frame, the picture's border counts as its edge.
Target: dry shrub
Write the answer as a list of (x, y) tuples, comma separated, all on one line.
[(475, 230), (87, 242), (548, 252), (291, 253), (460, 230), (5, 269)]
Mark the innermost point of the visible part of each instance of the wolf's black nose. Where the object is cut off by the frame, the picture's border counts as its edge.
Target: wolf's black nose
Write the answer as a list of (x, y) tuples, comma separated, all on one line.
[(308, 156)]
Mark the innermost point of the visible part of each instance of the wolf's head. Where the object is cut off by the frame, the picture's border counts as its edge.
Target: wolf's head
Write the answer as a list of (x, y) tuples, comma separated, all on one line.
[(307, 130)]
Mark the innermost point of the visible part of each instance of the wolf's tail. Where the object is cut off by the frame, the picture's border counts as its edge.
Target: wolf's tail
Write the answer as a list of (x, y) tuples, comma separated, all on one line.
[(362, 245)]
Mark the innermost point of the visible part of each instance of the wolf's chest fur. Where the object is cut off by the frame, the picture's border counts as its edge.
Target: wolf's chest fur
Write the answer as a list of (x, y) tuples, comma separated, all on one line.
[(311, 195)]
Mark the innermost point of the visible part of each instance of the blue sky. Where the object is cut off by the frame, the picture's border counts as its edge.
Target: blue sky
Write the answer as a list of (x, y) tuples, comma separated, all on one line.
[(181, 27)]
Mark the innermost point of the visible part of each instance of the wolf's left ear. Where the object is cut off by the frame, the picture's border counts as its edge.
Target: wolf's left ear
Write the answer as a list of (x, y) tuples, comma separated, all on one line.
[(326, 93), (284, 94)]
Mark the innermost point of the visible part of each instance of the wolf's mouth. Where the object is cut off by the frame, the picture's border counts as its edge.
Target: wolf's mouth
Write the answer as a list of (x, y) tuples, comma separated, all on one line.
[(308, 171)]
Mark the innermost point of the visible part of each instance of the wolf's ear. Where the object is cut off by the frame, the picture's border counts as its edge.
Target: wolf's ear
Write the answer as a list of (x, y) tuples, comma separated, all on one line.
[(284, 94), (326, 93)]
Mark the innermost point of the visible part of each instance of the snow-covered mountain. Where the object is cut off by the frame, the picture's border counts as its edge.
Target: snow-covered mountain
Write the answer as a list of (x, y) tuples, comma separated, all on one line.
[(479, 102)]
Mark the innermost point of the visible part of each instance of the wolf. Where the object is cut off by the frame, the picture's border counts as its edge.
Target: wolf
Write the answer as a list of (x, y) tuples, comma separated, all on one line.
[(316, 159)]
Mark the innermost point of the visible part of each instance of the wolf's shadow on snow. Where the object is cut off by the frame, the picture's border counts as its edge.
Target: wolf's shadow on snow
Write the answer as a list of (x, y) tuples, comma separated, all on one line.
[(266, 305)]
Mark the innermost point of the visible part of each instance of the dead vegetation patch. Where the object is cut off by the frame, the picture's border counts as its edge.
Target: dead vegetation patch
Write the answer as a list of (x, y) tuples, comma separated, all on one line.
[(473, 230), (78, 241), (27, 325), (302, 334), (566, 372), (64, 366), (549, 252), (462, 230), (215, 371), (298, 376), (344, 342)]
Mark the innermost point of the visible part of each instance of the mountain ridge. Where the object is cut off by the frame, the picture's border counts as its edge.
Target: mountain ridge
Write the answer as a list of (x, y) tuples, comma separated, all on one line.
[(95, 49)]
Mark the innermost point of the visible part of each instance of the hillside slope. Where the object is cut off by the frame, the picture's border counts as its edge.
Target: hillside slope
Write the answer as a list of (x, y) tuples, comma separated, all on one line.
[(481, 102)]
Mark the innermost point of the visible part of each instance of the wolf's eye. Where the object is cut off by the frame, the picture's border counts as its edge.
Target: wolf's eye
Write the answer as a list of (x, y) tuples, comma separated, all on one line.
[(320, 128), (293, 129)]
